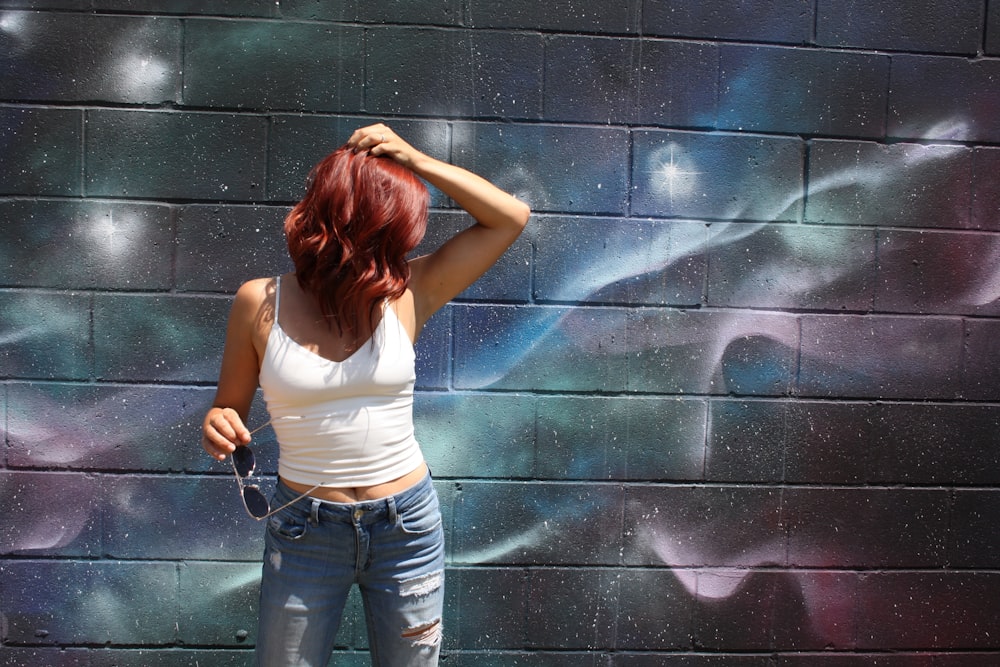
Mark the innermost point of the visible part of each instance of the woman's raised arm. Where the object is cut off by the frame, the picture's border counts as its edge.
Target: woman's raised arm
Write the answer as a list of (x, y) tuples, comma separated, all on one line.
[(440, 276)]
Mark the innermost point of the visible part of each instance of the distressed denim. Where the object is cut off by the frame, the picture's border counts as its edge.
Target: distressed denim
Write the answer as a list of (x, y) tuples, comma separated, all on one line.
[(315, 551)]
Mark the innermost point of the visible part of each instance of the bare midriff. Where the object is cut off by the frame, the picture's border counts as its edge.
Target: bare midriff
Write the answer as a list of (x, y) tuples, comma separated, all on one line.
[(357, 494)]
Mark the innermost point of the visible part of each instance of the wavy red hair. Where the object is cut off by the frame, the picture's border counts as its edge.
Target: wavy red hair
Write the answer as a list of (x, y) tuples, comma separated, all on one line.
[(349, 236)]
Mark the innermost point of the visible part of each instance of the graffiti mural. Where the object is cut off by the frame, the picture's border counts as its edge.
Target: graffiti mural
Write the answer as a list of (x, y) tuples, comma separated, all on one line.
[(731, 399)]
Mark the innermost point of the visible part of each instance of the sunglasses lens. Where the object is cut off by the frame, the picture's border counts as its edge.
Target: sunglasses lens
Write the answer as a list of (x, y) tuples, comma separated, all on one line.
[(255, 501), (244, 461)]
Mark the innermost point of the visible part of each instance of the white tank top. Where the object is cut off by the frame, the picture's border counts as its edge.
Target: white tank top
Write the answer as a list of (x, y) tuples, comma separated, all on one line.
[(346, 423)]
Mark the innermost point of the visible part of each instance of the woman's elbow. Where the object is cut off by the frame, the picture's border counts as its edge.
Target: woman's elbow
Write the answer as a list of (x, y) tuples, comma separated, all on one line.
[(521, 214)]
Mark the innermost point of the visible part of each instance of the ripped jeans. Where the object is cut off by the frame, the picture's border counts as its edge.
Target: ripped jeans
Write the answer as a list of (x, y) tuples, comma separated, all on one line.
[(315, 551)]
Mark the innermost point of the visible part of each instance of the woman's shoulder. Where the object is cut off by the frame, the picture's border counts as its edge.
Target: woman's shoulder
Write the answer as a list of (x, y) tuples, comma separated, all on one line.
[(405, 312), (257, 287), (255, 298)]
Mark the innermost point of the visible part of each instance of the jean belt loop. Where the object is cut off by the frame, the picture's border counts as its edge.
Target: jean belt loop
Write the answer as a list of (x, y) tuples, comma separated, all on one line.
[(390, 506), (314, 513)]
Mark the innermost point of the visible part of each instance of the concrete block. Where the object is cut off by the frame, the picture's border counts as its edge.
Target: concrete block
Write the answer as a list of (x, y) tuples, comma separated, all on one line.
[(572, 608), (488, 606), (34, 525), (665, 439), (936, 272), (928, 610), (592, 79), (985, 189), (711, 352), (746, 441), (925, 26), (865, 659), (992, 28), (522, 658), (535, 348), (554, 168), (432, 72), (46, 335), (717, 176), (101, 428), (221, 247), (655, 611), (506, 75), (601, 438), (182, 337), (556, 524), (218, 603), (439, 12), (570, 16), (826, 442), (866, 528), (238, 8), (737, 609), (686, 659), (168, 657), (781, 21), (88, 602), (927, 444), (816, 610), (979, 354), (581, 438), (507, 281), (972, 539), (901, 185), (11, 656), (47, 145), (63, 57), (678, 83), (802, 91), (297, 143), (175, 155), (477, 435), (87, 245), (274, 65), (944, 99), (619, 261), (781, 266), (192, 518), (691, 526), (433, 349), (880, 357)]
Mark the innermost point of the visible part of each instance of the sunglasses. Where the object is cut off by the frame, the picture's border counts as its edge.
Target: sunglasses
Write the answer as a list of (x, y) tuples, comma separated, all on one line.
[(244, 463)]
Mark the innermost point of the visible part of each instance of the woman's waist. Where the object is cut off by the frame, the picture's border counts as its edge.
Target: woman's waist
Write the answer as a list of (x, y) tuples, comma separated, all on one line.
[(362, 493)]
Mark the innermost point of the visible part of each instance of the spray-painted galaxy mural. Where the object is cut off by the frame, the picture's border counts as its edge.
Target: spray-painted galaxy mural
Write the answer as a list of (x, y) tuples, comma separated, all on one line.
[(732, 400)]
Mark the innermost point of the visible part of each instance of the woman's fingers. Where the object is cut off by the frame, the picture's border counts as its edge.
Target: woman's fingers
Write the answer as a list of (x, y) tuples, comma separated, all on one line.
[(216, 448), (367, 138), (222, 431)]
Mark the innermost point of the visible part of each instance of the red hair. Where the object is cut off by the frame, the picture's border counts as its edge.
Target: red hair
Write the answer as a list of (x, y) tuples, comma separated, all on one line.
[(350, 234)]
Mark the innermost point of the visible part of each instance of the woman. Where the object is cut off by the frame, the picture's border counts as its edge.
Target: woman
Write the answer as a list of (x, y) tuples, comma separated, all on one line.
[(331, 345)]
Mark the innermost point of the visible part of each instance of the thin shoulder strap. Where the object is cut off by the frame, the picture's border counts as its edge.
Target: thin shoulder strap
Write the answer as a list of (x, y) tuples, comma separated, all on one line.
[(277, 297)]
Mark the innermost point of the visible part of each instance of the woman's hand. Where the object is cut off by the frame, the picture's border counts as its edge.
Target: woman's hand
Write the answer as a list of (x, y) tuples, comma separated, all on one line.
[(380, 140), (222, 432)]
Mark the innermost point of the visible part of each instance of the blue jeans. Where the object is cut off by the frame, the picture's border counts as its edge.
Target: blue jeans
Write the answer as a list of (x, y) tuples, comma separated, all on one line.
[(315, 551)]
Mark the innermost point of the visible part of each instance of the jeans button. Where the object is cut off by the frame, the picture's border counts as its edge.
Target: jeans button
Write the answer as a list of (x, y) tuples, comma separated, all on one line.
[(358, 513)]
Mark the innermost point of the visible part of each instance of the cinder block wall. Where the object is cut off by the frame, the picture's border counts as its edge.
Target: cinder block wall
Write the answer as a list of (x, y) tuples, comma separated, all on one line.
[(732, 400)]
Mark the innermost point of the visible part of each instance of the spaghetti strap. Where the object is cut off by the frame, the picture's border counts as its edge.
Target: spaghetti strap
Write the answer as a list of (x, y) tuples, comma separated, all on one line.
[(277, 297)]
